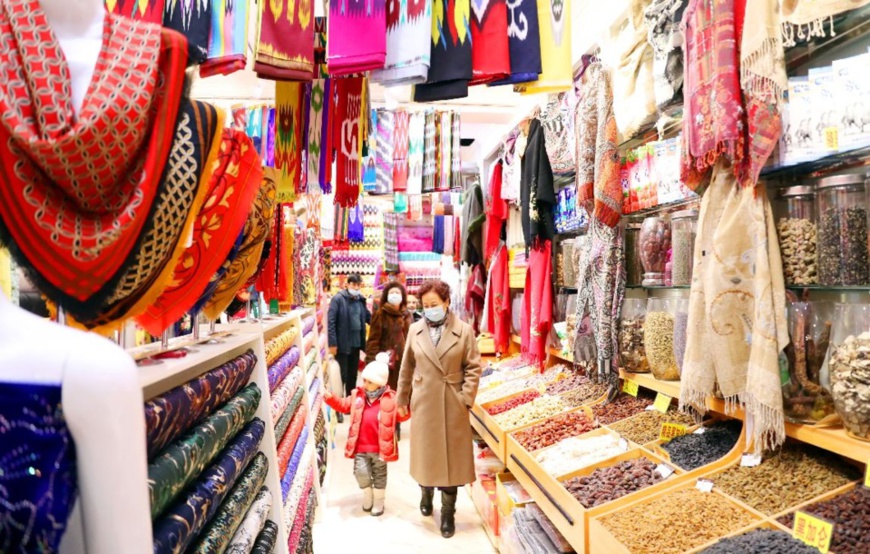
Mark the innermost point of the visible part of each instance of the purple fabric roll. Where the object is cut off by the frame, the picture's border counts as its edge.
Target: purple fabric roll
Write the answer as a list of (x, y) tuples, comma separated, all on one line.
[(175, 531), (282, 367), (307, 325), (172, 413), (293, 466)]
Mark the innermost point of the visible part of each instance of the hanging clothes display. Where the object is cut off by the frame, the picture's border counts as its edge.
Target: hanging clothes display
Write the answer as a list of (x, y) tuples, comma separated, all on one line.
[(634, 101), (416, 151), (400, 150), (537, 192), (289, 101), (499, 306), (490, 57), (524, 42), (456, 150), (384, 152), (558, 139), (557, 74), (537, 316), (451, 66), (430, 152), (357, 36), (285, 47), (228, 38), (348, 110), (408, 50), (473, 218), (496, 212), (150, 11), (194, 21)]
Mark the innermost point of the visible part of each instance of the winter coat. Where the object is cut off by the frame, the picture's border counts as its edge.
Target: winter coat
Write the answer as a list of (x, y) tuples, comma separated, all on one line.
[(354, 405), (387, 333), (338, 321), (444, 382)]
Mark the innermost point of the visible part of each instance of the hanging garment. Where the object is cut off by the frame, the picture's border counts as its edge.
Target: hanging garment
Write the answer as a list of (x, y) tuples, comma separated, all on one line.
[(384, 151), (557, 138), (662, 19), (400, 150), (289, 100), (348, 109), (285, 48), (232, 187), (450, 68), (456, 151), (302, 182), (444, 144), (327, 144), (475, 296), (537, 316), (557, 74), (319, 101), (537, 192), (496, 212), (150, 11), (77, 237), (228, 42), (416, 151), (430, 152), (512, 167), (369, 155), (499, 306), (254, 127), (524, 42), (194, 21), (357, 36), (490, 56), (409, 25), (473, 218)]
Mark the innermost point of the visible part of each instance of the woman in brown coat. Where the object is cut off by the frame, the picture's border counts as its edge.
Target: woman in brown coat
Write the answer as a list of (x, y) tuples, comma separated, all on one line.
[(441, 366)]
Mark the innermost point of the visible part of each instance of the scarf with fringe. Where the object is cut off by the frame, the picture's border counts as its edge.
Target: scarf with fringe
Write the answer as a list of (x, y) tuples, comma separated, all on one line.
[(804, 20)]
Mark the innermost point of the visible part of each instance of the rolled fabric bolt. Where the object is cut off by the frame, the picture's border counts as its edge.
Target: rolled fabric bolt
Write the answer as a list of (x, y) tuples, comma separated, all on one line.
[(284, 393), (289, 413), (288, 442), (255, 520), (293, 464), (267, 539)]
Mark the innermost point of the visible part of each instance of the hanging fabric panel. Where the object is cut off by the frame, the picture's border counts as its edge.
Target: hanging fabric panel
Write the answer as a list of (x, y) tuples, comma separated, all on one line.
[(285, 49)]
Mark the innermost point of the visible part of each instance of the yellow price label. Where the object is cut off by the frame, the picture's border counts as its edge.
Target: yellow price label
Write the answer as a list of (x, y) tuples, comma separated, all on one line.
[(662, 402), (630, 388), (812, 531), (672, 430), (832, 138), (867, 475)]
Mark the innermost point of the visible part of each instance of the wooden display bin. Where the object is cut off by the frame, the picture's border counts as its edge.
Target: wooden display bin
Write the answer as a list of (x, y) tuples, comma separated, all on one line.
[(487, 428), (767, 524), (506, 503), (602, 541), (723, 462), (821, 498)]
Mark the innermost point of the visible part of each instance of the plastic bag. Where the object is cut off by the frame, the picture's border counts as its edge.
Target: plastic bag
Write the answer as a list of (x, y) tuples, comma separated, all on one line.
[(336, 386)]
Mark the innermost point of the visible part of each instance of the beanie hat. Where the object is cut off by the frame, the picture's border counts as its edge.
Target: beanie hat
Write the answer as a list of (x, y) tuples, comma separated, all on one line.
[(378, 371)]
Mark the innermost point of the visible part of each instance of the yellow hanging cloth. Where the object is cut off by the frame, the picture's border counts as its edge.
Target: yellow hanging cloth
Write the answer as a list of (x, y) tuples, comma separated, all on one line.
[(557, 75)]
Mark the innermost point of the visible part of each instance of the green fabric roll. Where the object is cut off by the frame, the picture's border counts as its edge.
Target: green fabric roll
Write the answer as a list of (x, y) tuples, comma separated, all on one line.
[(288, 414), (220, 530), (182, 461)]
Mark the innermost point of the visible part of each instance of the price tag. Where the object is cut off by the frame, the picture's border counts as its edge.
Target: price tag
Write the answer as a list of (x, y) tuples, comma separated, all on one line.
[(867, 475), (699, 431), (671, 431), (812, 531), (664, 470), (750, 460), (662, 403), (623, 444), (704, 485), (630, 388), (832, 138)]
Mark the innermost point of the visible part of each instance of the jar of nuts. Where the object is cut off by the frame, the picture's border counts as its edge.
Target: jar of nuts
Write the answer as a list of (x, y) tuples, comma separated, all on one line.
[(632, 355), (658, 339), (849, 366), (806, 395), (655, 245), (796, 226), (843, 253), (684, 227)]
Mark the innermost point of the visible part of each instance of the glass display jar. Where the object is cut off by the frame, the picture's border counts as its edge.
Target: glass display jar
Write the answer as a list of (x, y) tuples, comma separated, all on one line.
[(569, 268), (842, 243), (632, 356), (849, 367), (794, 209), (655, 244), (684, 228), (806, 396), (681, 326), (658, 338), (633, 266)]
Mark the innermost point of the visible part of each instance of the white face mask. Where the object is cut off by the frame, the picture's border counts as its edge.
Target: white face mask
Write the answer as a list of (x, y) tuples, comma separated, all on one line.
[(395, 298)]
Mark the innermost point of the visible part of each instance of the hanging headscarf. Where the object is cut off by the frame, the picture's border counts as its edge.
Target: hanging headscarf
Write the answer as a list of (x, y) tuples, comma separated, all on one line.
[(409, 25), (194, 21), (290, 105), (348, 136), (450, 68), (357, 31), (285, 49)]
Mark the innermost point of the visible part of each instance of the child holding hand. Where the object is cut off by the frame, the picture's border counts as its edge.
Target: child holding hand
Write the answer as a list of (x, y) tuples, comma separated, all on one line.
[(371, 440)]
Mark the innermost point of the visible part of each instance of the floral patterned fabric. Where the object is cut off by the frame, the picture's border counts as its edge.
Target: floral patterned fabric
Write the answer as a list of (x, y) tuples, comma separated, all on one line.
[(279, 370), (284, 393)]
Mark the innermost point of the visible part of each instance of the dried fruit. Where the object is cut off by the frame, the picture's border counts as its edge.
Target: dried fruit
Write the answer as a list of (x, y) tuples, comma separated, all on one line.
[(553, 430), (609, 483)]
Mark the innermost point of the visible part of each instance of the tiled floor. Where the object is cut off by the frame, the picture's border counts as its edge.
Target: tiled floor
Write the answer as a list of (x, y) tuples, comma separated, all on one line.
[(344, 527)]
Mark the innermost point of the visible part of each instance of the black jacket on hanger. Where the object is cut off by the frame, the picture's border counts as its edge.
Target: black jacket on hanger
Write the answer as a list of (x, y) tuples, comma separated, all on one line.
[(537, 191)]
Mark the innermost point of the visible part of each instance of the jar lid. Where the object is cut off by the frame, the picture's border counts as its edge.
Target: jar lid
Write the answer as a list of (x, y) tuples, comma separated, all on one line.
[(684, 213), (841, 180), (801, 190)]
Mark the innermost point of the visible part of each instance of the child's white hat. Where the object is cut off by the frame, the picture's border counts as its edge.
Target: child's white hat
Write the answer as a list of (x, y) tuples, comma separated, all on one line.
[(378, 372)]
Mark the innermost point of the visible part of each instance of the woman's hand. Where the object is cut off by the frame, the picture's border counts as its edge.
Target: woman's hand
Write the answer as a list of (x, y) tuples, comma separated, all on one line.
[(403, 411)]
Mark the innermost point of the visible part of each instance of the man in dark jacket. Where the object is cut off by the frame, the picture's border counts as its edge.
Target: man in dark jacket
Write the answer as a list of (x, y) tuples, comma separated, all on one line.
[(348, 316)]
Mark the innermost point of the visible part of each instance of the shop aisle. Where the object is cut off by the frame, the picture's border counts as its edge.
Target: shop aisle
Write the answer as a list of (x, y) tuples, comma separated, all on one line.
[(344, 527)]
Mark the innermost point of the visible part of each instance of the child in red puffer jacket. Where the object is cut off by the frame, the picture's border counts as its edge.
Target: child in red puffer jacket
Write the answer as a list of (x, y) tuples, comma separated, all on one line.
[(371, 439)]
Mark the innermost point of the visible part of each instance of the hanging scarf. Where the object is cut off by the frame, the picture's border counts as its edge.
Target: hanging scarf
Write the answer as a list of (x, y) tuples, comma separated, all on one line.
[(235, 179), (490, 57), (289, 100), (302, 182), (499, 306), (269, 158), (445, 144), (804, 20), (560, 150), (193, 20), (150, 11), (554, 18), (285, 49), (369, 155), (450, 68), (662, 18), (408, 50), (228, 42), (456, 151), (76, 236), (315, 132), (355, 228), (416, 151), (713, 118), (537, 316), (737, 314), (496, 212), (357, 36), (326, 138), (524, 42), (384, 151), (439, 154), (430, 151), (348, 109), (254, 127), (400, 150)]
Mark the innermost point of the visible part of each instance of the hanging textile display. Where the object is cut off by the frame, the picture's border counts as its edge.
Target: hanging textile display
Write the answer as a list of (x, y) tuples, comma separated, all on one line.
[(272, 282), (473, 217), (391, 242), (409, 25), (62, 232), (537, 193), (524, 43), (416, 151), (348, 110), (510, 190), (490, 57), (805, 20), (557, 73), (456, 151), (665, 36), (445, 156), (194, 21), (357, 36), (232, 188), (400, 150), (285, 48), (319, 100), (327, 141), (269, 158), (290, 102), (537, 316), (369, 157), (496, 212), (499, 305), (254, 127), (558, 140), (634, 101), (384, 152), (228, 38), (430, 151), (150, 11), (450, 68)]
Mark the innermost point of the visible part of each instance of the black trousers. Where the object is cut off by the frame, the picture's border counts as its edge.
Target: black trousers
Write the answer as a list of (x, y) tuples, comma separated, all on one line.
[(349, 364)]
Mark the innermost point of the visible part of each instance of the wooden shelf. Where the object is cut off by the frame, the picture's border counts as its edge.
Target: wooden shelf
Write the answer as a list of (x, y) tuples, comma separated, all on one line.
[(558, 353), (646, 380)]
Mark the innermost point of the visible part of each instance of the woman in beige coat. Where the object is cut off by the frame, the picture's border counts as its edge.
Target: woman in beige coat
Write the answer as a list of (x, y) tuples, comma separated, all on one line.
[(441, 367)]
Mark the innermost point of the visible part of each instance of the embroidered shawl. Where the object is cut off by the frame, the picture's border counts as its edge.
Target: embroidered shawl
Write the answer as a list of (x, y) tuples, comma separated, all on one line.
[(554, 19), (193, 20), (537, 316), (450, 68), (490, 57), (228, 42), (384, 152), (357, 36), (408, 51), (416, 152), (400, 150), (75, 203), (150, 11), (285, 48), (236, 176), (524, 42), (289, 101), (348, 110)]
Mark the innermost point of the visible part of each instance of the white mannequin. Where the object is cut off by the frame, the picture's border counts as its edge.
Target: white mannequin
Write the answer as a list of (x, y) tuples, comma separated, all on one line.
[(100, 391)]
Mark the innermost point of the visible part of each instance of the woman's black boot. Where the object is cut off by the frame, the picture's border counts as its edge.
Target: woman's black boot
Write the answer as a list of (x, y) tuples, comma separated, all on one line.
[(426, 500), (448, 511)]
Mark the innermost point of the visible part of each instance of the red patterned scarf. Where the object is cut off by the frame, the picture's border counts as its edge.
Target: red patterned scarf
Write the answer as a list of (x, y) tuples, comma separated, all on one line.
[(348, 99), (537, 316), (285, 49), (75, 197)]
